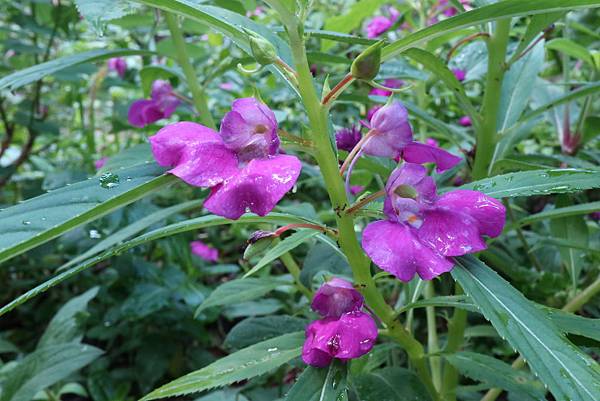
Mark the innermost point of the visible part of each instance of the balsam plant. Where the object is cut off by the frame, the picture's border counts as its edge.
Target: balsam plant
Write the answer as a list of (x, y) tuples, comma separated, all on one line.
[(300, 200)]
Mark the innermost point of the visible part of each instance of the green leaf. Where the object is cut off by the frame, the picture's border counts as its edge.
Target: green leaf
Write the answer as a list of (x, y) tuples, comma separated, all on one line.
[(574, 229), (574, 324), (45, 367), (245, 364), (570, 48), (537, 182), (567, 371), (340, 37), (45, 217), (518, 85), (391, 383), (130, 157), (35, 73), (96, 11), (452, 301), (291, 242), (322, 258), (320, 384), (537, 24), (255, 329), (64, 327), (240, 290), (499, 10), (7, 347), (184, 226), (559, 212), (497, 373)]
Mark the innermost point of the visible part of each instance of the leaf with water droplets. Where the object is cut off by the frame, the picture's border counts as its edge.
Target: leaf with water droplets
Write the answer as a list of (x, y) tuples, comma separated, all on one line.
[(320, 384), (245, 364)]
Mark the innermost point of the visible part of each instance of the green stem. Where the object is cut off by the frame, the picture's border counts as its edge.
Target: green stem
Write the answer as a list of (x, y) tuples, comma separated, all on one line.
[(432, 339), (327, 160), (456, 333), (521, 236), (486, 135), (198, 94), (294, 269)]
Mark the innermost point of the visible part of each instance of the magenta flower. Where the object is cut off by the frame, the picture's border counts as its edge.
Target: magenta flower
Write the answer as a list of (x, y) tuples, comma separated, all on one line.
[(349, 337), (347, 138), (423, 230), (432, 142), (240, 164), (465, 121), (356, 189), (390, 83), (381, 24), (392, 137), (227, 86), (371, 112), (204, 251), (459, 74), (161, 105), (100, 162), (117, 64), (336, 297), (595, 216)]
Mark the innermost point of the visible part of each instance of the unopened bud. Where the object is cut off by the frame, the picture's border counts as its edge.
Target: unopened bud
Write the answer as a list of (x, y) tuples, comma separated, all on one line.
[(366, 65), (262, 50), (258, 242)]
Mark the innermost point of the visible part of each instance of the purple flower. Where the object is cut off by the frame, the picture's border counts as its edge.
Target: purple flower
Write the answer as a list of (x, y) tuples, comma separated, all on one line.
[(392, 137), (227, 86), (162, 104), (100, 162), (465, 121), (371, 112), (356, 189), (459, 74), (347, 138), (336, 297), (423, 230), (117, 64), (595, 216), (350, 336), (204, 251), (381, 24), (390, 83), (240, 164), (432, 142)]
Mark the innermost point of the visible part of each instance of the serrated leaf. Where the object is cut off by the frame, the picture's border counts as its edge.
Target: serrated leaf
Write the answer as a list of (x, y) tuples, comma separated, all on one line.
[(45, 217), (537, 182), (255, 329), (574, 324), (566, 211), (245, 364), (291, 242), (35, 73), (391, 383), (566, 370), (99, 11), (240, 290), (499, 374), (320, 384)]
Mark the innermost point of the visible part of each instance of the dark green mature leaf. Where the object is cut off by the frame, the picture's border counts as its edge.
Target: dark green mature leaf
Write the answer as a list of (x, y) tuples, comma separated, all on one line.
[(45, 367), (575, 50), (392, 383), (499, 10), (45, 217), (452, 301), (537, 182), (566, 370), (236, 291), (64, 327), (559, 212), (575, 324), (320, 384), (35, 73), (291, 242), (184, 226), (499, 374), (245, 364), (255, 329), (7, 347), (322, 258)]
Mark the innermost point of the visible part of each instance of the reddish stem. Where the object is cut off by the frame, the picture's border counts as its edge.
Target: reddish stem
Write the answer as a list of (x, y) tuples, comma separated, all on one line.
[(346, 80)]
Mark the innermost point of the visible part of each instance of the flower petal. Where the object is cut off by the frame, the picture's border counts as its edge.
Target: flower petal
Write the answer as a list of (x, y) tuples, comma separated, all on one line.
[(204, 251), (143, 112), (450, 232), (196, 153), (393, 131), (489, 212), (395, 249), (336, 297), (416, 152), (257, 188)]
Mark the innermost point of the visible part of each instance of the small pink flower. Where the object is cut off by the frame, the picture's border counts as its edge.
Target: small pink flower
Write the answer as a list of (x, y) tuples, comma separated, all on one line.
[(465, 121), (390, 83), (347, 138), (381, 24), (423, 231), (356, 189), (459, 74), (228, 86), (432, 142), (117, 64), (204, 251), (162, 104), (100, 162)]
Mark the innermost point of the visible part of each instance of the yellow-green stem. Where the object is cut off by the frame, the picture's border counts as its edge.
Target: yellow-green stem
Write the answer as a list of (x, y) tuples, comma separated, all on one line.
[(198, 94), (432, 339)]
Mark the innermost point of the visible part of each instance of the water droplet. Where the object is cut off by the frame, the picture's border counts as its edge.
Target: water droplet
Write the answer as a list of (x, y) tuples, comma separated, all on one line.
[(95, 234), (272, 349), (109, 180), (26, 222)]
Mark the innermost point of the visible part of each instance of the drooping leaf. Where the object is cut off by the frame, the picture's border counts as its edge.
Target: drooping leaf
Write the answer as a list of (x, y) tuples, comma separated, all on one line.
[(566, 370), (245, 364), (240, 290), (45, 217), (498, 374), (35, 73)]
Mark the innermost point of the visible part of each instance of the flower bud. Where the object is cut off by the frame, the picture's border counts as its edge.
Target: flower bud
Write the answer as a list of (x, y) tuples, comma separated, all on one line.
[(366, 65), (262, 50), (336, 297), (258, 242)]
